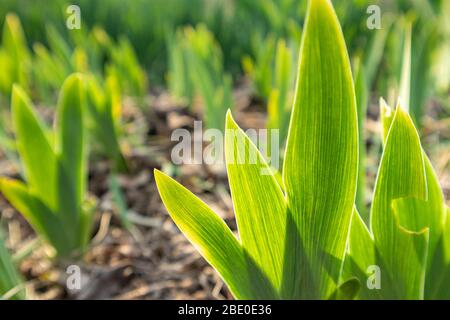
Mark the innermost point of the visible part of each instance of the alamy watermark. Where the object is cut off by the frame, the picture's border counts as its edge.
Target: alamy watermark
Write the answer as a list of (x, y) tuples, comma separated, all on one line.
[(73, 281), (207, 146), (73, 21), (374, 19)]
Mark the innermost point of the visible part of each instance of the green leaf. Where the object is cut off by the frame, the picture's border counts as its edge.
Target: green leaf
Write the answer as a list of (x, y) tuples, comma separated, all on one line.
[(361, 257), (9, 277), (215, 241), (320, 168), (70, 148), (104, 110), (259, 203), (417, 214), (36, 153), (45, 222), (401, 175)]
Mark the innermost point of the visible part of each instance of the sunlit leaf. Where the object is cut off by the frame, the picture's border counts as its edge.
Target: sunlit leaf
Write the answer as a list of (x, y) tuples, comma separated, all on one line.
[(321, 160)]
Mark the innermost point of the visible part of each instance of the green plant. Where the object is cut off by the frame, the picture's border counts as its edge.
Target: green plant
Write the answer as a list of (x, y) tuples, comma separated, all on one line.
[(104, 118), (52, 198), (259, 69), (303, 238), (292, 240), (130, 75), (9, 277), (203, 66), (409, 236)]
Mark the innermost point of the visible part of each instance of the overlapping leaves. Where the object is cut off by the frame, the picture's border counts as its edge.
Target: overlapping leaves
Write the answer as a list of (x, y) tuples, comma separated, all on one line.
[(294, 239), (52, 198)]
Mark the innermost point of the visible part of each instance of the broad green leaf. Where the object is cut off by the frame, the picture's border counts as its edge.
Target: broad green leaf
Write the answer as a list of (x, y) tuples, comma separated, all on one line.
[(401, 175), (320, 168), (71, 153), (417, 214), (15, 45), (215, 241), (259, 203), (36, 153)]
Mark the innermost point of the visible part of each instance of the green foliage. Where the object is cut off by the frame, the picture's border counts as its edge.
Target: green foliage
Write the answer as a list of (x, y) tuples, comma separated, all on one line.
[(43, 70), (14, 56), (408, 221), (52, 198), (9, 277), (198, 59), (104, 118), (293, 241), (260, 69), (299, 240), (280, 98), (129, 73)]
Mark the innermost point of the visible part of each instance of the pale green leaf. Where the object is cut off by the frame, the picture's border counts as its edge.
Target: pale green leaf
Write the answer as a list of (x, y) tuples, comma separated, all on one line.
[(259, 203), (36, 153), (70, 148), (321, 162), (401, 175), (417, 214), (215, 241)]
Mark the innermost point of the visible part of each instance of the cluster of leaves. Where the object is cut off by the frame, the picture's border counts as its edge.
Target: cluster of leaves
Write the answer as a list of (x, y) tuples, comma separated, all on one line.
[(44, 69), (196, 67), (303, 238), (54, 164), (272, 75), (104, 107), (15, 58)]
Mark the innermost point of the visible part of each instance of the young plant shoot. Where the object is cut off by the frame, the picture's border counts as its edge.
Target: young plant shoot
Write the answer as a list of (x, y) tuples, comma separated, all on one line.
[(52, 196)]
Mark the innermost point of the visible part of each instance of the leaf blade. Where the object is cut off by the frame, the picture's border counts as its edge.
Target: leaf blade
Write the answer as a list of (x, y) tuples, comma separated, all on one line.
[(320, 167)]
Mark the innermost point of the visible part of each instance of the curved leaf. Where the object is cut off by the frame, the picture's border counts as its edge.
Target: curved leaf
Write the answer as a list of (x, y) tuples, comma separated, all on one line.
[(259, 203), (214, 240)]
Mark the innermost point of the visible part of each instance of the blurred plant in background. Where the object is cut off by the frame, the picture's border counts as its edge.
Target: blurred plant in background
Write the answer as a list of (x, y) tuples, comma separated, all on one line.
[(197, 67)]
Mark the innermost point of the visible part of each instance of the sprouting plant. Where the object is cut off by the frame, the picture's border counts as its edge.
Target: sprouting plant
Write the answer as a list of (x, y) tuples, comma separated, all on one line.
[(259, 69), (131, 76), (292, 240), (14, 56), (104, 118), (409, 237), (53, 196), (179, 83), (281, 94), (9, 277), (204, 68), (304, 238)]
